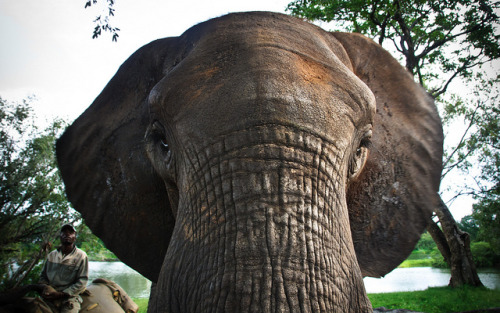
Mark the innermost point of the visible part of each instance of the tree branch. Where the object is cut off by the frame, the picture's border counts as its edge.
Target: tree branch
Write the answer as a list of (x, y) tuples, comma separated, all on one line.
[(462, 140), (441, 42)]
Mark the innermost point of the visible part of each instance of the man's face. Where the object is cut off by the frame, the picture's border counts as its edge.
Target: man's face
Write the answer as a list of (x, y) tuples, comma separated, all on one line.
[(68, 237)]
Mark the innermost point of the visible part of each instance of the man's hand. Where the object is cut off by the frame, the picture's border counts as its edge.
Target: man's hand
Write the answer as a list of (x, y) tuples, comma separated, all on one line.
[(55, 295), (50, 294)]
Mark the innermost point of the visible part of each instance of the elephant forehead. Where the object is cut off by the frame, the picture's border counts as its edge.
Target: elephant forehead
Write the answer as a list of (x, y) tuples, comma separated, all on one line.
[(258, 79)]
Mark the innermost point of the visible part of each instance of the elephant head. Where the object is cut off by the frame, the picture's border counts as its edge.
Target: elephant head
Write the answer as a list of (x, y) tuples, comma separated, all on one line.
[(257, 163)]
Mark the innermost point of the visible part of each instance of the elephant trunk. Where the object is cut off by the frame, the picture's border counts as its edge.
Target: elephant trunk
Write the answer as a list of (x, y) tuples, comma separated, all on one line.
[(263, 227)]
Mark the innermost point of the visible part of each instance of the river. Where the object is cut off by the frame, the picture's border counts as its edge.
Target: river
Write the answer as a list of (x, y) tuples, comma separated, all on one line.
[(400, 279), (421, 278), (134, 283)]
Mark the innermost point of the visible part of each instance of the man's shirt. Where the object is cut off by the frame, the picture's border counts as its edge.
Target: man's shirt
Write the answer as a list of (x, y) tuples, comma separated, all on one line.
[(66, 273)]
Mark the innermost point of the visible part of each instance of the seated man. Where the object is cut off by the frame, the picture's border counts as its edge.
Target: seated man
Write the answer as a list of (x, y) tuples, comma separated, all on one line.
[(66, 270)]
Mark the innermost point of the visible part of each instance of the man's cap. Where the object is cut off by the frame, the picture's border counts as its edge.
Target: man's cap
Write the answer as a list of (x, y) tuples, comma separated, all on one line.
[(68, 226)]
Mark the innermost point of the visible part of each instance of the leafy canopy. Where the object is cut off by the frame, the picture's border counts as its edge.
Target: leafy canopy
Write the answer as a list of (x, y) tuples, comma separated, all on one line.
[(439, 40), (33, 205)]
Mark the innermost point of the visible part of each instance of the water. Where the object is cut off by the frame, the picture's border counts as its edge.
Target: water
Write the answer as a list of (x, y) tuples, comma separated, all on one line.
[(132, 282), (421, 278), (400, 279)]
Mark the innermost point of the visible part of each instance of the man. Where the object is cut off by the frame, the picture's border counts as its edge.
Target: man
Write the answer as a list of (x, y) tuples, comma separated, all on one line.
[(66, 271)]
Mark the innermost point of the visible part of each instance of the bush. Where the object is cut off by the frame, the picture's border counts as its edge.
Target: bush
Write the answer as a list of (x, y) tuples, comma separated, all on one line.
[(426, 243), (416, 263), (483, 254), (438, 259), (419, 255)]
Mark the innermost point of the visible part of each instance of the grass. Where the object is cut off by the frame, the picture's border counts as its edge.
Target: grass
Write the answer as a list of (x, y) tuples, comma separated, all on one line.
[(432, 300), (439, 299), (416, 263), (418, 258), (142, 303)]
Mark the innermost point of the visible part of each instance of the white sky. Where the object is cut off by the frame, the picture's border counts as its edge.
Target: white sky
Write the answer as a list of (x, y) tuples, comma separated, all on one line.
[(47, 48)]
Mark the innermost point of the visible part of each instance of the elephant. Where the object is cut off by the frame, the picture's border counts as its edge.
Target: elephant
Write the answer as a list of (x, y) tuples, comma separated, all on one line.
[(257, 163), (101, 296)]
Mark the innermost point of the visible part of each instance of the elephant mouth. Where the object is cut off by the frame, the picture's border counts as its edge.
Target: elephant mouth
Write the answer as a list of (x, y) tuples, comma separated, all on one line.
[(266, 207)]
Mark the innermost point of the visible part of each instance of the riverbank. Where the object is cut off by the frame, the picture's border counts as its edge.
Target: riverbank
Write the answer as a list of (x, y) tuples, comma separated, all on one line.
[(416, 263), (432, 300), (439, 299), (399, 280)]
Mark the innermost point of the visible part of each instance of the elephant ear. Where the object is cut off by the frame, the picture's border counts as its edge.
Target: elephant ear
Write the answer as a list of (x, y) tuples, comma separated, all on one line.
[(393, 198), (107, 175)]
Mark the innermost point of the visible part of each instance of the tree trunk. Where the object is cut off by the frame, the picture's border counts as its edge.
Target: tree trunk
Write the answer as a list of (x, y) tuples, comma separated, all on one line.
[(454, 245), (439, 239)]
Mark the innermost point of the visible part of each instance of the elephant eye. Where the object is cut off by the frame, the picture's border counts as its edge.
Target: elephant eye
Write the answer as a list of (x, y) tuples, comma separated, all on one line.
[(157, 134), (157, 137), (365, 142), (358, 160), (164, 144), (159, 151), (166, 149)]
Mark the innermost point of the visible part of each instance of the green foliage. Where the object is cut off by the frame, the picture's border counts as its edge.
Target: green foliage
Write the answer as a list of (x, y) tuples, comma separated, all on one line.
[(32, 200), (92, 245), (486, 212), (483, 254), (439, 300), (420, 262), (142, 303), (438, 259), (426, 243), (419, 255), (469, 224), (426, 253), (480, 143), (445, 37), (481, 148)]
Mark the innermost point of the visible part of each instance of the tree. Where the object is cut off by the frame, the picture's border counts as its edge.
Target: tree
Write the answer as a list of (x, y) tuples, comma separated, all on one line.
[(487, 214), (33, 205), (482, 147), (92, 245), (469, 225), (487, 211), (438, 41), (102, 22)]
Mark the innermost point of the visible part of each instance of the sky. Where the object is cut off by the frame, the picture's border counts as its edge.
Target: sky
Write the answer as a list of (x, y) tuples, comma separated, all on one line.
[(47, 50)]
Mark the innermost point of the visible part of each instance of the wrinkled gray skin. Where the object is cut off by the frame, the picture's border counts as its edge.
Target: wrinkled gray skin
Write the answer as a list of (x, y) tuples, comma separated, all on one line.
[(228, 166)]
